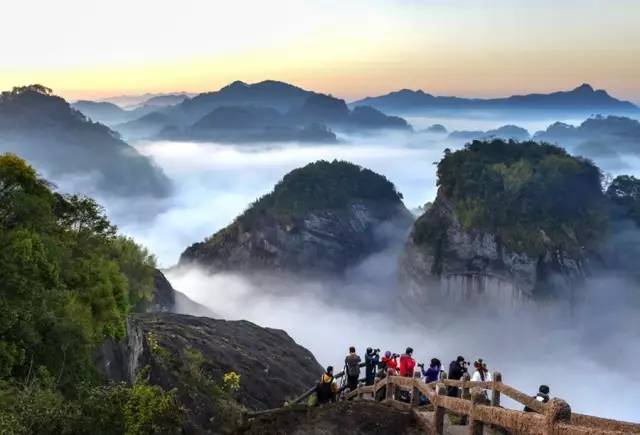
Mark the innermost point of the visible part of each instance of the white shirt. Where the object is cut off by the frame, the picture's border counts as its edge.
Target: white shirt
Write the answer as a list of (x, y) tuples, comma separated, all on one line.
[(477, 378)]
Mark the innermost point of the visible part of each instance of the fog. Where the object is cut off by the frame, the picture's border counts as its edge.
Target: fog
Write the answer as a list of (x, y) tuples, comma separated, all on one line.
[(588, 358), (587, 355)]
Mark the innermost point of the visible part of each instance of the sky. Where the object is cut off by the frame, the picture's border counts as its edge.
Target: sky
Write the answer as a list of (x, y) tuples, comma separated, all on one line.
[(352, 49)]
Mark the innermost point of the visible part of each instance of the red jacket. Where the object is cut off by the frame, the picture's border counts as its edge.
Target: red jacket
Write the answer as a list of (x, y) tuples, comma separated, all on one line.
[(389, 363), (407, 364)]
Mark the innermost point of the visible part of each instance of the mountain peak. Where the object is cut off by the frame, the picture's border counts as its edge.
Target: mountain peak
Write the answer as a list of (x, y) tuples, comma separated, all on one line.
[(585, 87), (238, 84)]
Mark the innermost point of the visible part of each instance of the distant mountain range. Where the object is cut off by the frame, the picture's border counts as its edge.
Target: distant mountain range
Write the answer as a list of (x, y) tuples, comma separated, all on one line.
[(583, 99), (259, 112), (60, 142)]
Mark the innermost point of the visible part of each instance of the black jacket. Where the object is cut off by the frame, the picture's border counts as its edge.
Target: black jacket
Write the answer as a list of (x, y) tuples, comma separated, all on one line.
[(455, 371)]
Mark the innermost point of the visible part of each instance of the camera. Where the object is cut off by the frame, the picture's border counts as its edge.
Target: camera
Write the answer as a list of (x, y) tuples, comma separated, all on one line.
[(395, 355), (376, 350), (421, 365)]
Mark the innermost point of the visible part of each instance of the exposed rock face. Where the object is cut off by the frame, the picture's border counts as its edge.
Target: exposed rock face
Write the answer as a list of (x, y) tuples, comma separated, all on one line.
[(272, 367), (166, 299), (460, 266), (321, 234)]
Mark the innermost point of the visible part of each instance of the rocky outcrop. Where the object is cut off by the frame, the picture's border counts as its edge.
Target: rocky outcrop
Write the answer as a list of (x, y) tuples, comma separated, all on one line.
[(311, 234), (445, 263), (167, 299), (181, 352)]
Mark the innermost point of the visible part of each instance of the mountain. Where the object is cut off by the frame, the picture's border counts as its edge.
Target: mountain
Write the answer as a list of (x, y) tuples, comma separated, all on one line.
[(324, 217), (506, 132), (101, 111), (583, 99), (512, 221), (62, 142), (164, 100), (271, 110), (596, 137)]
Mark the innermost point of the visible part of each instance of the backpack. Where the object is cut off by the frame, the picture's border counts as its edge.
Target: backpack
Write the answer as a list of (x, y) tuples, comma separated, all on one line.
[(353, 368)]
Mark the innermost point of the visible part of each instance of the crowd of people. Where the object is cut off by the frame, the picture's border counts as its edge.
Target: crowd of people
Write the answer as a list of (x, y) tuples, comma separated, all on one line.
[(377, 367)]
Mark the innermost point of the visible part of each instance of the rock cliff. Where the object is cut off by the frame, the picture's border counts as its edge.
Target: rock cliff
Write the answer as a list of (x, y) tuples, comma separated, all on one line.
[(186, 353), (511, 222), (324, 217)]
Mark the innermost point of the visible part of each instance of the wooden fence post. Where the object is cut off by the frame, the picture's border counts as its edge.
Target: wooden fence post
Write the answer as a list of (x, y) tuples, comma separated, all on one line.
[(466, 395), (556, 411), (415, 393), (476, 427), (390, 390), (439, 410), (495, 393)]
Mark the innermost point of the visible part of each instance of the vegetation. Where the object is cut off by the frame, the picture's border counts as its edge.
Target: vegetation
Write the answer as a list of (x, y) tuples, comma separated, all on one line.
[(319, 186), (624, 192), (528, 194), (67, 281)]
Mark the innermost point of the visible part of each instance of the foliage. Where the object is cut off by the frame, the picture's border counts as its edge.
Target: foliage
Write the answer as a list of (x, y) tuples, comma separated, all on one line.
[(526, 193), (321, 185), (624, 192), (231, 382), (67, 281)]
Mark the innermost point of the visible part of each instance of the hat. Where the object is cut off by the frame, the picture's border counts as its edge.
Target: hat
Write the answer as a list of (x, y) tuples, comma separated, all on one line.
[(544, 389), (387, 354)]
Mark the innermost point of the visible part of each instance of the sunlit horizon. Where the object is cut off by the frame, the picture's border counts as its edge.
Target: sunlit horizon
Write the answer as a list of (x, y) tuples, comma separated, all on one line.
[(491, 48)]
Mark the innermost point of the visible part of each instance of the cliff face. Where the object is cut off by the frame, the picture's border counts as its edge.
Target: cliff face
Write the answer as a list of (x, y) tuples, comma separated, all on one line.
[(455, 265), (324, 217), (185, 353), (319, 241)]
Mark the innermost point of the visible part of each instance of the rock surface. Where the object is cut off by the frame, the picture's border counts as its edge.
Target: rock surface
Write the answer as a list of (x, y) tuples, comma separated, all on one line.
[(348, 418), (459, 265), (312, 238), (272, 367), (167, 299)]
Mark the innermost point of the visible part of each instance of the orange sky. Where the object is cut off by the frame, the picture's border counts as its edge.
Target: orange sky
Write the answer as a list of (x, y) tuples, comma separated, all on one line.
[(350, 49)]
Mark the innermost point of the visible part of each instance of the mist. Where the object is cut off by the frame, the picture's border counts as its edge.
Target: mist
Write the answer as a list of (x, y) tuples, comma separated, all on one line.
[(587, 355), (584, 357)]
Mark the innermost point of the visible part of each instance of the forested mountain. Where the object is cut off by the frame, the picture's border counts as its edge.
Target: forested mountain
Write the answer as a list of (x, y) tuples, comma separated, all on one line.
[(60, 141), (583, 99), (321, 218)]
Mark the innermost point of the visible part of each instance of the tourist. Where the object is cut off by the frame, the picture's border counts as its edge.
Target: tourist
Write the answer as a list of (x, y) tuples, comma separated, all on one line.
[(389, 363), (432, 374), (457, 369), (542, 397), (326, 389), (352, 368), (407, 363), (481, 374), (371, 360)]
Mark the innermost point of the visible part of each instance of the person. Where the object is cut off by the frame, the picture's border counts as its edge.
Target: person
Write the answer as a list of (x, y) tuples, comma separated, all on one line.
[(457, 369), (389, 364), (542, 397), (371, 360), (326, 389), (407, 363), (481, 374), (352, 368), (432, 374)]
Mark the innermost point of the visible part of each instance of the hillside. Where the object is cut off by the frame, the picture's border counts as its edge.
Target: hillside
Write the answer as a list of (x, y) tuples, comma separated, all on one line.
[(583, 99), (511, 221), (60, 142), (323, 217), (271, 110)]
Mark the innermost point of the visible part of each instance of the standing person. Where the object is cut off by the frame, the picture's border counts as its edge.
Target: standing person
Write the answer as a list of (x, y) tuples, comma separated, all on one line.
[(457, 369), (480, 374), (371, 360), (389, 363), (432, 374), (407, 363), (352, 368), (326, 389)]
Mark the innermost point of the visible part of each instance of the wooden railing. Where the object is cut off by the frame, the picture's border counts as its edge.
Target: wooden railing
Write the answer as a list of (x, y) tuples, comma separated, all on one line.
[(554, 417), (475, 409)]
